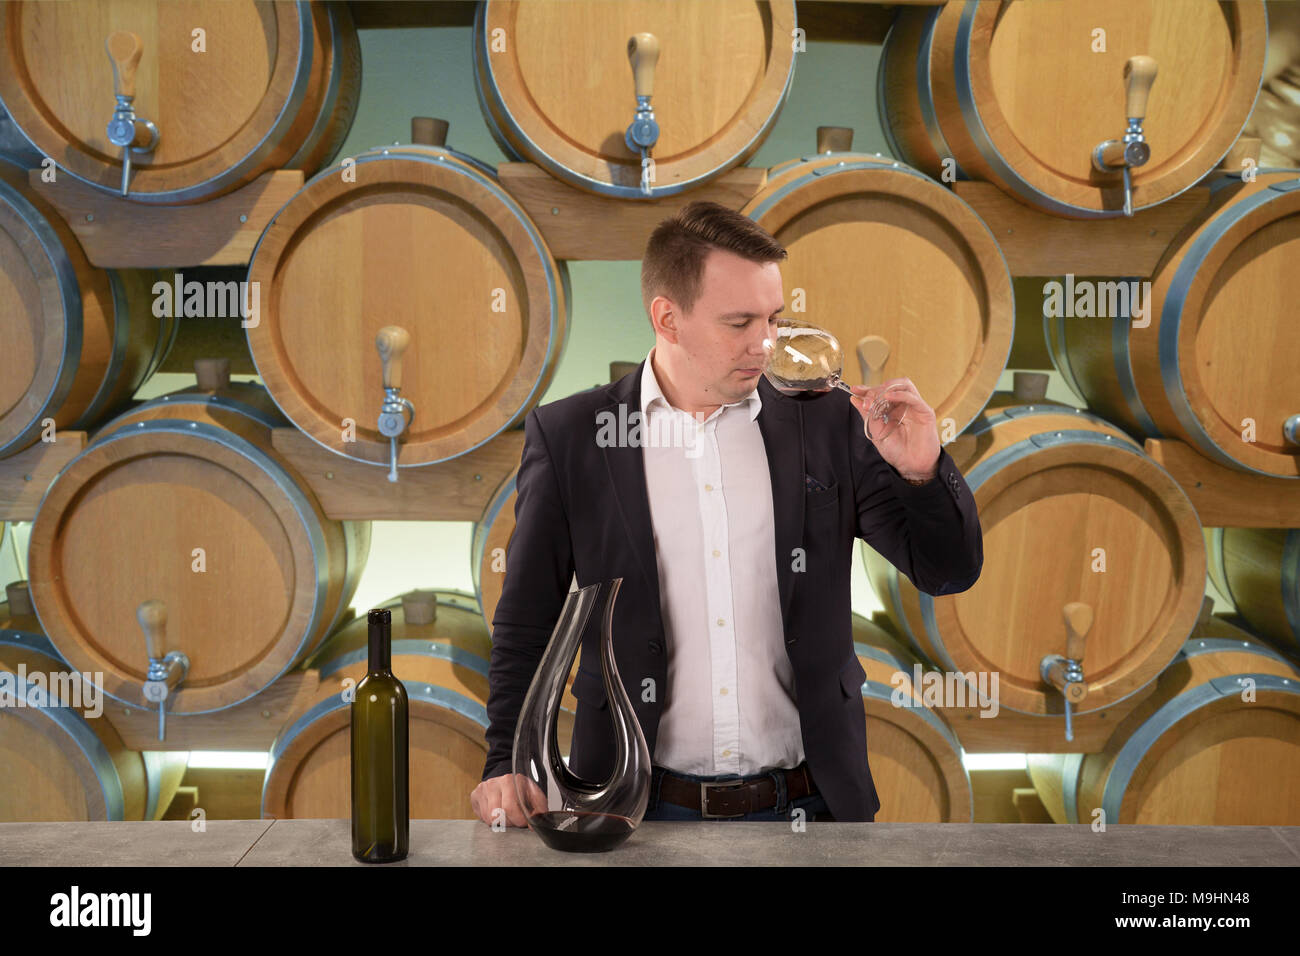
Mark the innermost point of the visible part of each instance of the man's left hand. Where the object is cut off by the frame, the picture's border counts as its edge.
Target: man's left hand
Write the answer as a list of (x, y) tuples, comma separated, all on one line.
[(913, 447)]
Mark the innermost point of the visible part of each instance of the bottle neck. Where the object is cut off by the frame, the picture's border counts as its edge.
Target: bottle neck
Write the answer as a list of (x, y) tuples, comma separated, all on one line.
[(381, 647)]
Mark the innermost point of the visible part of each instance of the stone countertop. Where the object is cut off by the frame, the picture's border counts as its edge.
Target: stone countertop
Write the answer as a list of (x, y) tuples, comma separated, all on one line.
[(655, 843)]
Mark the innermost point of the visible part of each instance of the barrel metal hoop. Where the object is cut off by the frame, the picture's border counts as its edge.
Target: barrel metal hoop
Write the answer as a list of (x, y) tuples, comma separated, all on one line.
[(122, 320), (1171, 325), (1173, 711), (925, 94), (982, 473), (283, 482), (72, 723), (884, 693), (556, 279), (441, 697), (497, 111), (73, 317), (409, 646)]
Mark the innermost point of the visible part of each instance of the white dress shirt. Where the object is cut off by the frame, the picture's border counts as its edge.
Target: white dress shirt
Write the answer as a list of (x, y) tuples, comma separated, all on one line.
[(730, 702)]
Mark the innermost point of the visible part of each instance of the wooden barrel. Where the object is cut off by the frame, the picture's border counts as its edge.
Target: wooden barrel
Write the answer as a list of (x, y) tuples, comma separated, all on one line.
[(441, 652), (1197, 372), (424, 238), (184, 499), (1194, 753), (880, 249), (1019, 95), (59, 760), (1258, 570), (916, 760), (77, 341), (491, 538), (1071, 509), (488, 545), (276, 87), (722, 75)]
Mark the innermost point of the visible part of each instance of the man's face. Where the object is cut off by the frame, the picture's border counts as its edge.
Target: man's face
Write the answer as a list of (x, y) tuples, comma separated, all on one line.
[(720, 352)]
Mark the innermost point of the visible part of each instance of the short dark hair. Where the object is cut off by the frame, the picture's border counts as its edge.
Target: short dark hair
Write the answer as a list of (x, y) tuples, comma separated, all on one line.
[(673, 264)]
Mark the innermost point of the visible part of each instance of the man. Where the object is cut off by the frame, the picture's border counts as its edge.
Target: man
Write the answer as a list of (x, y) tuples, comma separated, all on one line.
[(735, 549)]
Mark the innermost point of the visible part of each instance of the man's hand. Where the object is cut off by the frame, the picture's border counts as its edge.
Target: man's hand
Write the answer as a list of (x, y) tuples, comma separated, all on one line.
[(913, 448), (497, 793)]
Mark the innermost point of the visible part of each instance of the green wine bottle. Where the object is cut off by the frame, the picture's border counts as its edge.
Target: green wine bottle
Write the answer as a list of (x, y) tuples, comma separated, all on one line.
[(381, 819)]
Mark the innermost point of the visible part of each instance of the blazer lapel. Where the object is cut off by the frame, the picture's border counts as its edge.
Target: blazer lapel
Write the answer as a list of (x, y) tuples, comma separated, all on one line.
[(781, 424)]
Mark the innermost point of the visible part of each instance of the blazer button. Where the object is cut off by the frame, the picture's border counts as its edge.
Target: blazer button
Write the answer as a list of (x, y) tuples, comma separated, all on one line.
[(656, 647)]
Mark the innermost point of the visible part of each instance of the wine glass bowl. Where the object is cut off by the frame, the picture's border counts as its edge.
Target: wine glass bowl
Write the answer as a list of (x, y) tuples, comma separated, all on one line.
[(805, 360)]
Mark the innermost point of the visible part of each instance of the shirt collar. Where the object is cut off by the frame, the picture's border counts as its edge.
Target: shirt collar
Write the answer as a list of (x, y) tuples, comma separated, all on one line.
[(651, 392)]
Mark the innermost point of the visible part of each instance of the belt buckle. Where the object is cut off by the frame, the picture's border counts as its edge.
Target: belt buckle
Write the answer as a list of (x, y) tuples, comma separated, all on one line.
[(704, 798)]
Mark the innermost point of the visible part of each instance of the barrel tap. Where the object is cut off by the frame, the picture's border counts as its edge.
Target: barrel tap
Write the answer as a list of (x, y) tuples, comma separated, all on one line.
[(397, 413), (166, 670), (1132, 150), (125, 129), (1066, 673), (643, 52)]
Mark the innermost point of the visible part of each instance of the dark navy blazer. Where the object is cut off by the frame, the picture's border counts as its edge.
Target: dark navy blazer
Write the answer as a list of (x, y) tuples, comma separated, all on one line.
[(582, 508)]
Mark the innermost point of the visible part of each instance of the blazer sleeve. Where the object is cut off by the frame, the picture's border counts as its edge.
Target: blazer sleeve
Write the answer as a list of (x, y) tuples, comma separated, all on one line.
[(930, 532), (539, 570)]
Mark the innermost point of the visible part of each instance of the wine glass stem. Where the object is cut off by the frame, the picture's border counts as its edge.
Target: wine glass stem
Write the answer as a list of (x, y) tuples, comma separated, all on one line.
[(839, 383)]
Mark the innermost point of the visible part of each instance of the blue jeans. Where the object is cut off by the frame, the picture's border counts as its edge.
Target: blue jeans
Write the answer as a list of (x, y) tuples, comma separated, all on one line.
[(813, 805)]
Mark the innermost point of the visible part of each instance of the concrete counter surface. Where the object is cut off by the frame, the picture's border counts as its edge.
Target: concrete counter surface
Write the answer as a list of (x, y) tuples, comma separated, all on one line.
[(655, 843)]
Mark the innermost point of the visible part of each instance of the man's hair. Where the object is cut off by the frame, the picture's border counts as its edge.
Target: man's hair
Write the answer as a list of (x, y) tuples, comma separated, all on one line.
[(673, 264)]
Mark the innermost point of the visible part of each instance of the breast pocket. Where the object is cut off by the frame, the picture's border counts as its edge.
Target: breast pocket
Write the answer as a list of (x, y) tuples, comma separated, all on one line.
[(818, 500)]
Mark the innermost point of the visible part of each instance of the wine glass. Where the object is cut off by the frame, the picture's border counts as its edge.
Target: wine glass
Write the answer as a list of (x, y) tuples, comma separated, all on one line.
[(805, 360)]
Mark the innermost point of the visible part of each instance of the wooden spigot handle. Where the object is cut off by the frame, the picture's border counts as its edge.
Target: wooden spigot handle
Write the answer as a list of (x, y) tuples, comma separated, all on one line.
[(643, 52), (152, 616), (1139, 74), (392, 342), (1078, 620), (124, 49), (873, 352)]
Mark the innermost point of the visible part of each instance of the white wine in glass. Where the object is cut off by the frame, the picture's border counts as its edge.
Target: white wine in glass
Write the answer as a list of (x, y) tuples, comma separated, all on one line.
[(806, 360)]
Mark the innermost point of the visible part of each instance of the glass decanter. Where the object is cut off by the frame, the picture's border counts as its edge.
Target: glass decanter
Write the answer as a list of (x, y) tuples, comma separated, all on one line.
[(806, 361), (567, 812)]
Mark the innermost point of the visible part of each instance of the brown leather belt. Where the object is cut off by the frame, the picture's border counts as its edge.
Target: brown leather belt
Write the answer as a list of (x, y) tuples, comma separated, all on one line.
[(734, 798)]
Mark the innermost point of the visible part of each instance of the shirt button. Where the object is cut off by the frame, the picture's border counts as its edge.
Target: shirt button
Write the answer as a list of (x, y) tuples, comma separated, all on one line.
[(726, 753), (708, 487), (717, 553), (723, 692), (721, 622)]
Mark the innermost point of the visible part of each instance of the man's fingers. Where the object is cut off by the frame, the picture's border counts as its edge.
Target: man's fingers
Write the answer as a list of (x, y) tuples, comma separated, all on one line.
[(498, 793), (509, 801)]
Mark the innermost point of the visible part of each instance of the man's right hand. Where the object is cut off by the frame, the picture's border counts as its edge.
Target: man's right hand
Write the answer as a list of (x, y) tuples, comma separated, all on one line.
[(498, 793)]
